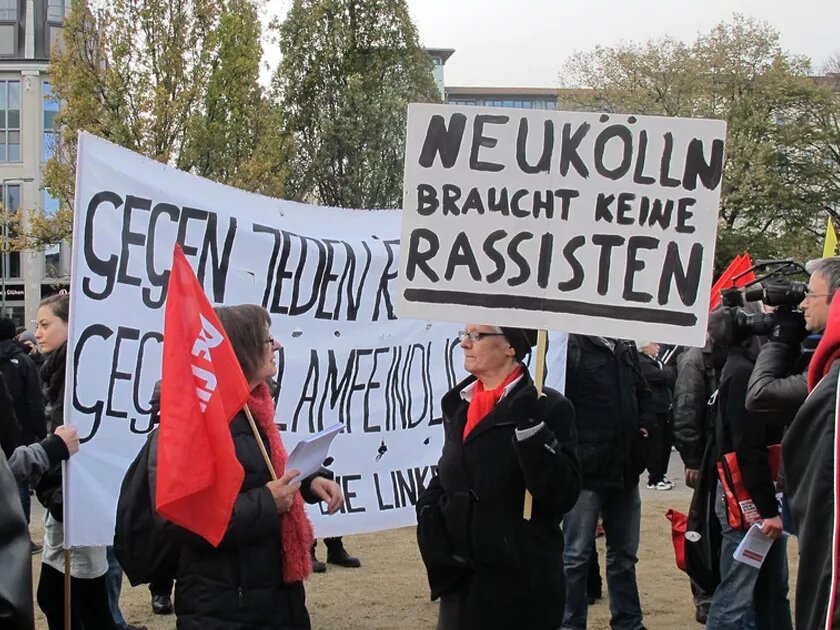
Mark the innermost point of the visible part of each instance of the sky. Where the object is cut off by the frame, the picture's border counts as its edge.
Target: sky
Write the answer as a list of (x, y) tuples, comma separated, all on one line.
[(523, 43)]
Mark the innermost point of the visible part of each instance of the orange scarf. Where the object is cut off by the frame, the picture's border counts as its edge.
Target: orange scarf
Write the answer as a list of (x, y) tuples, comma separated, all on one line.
[(484, 401)]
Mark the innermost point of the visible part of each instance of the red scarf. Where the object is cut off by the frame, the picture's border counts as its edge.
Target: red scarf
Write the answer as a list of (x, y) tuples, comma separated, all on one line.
[(828, 350), (484, 401), (295, 528)]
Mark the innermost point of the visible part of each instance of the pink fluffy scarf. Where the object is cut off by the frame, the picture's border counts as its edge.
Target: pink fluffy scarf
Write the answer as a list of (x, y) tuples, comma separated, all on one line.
[(296, 530)]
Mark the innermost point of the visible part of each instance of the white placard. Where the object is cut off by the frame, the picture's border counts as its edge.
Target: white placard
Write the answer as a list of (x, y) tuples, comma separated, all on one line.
[(326, 275), (602, 224)]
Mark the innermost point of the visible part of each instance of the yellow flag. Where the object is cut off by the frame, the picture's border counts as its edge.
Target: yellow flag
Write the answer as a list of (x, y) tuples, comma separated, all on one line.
[(830, 246)]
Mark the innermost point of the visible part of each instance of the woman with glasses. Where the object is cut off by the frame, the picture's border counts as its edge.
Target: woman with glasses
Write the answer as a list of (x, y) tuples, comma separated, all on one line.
[(254, 578), (490, 567)]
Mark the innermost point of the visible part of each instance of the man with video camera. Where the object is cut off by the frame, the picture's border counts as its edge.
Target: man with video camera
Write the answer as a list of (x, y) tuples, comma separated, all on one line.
[(808, 456)]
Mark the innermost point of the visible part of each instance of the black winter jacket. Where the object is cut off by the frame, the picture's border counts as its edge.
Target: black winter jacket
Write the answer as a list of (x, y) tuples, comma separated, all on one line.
[(746, 432), (15, 556), (506, 572), (9, 426), (612, 404), (660, 380), (808, 460), (693, 421), (779, 381), (25, 388), (239, 584)]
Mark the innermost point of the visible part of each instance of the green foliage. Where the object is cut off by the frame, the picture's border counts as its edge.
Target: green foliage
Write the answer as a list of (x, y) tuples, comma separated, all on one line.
[(175, 80), (781, 156), (348, 71)]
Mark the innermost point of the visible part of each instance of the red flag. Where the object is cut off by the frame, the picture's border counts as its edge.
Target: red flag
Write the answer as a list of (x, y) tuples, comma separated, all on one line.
[(738, 266), (203, 388)]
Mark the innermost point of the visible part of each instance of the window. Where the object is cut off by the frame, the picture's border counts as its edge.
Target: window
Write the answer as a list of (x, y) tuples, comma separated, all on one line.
[(57, 9), (9, 261), (9, 121), (50, 132), (8, 10), (52, 253)]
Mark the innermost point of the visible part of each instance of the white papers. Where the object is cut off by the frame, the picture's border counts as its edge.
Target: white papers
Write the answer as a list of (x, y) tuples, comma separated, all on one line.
[(310, 452), (754, 547)]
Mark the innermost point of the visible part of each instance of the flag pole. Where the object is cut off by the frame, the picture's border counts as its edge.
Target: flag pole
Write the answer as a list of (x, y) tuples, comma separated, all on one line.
[(67, 619), (260, 443), (539, 377)]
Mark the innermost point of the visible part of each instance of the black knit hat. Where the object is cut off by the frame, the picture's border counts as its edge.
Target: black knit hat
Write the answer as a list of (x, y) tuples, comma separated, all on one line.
[(7, 328), (521, 339)]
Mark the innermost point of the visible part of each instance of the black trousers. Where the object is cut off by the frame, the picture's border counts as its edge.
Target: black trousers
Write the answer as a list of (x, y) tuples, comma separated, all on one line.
[(88, 601), (659, 448)]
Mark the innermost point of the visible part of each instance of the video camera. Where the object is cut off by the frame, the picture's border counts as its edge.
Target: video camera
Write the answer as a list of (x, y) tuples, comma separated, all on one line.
[(773, 289)]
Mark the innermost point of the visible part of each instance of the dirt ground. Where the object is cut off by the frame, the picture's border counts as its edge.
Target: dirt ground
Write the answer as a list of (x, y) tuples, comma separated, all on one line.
[(390, 590)]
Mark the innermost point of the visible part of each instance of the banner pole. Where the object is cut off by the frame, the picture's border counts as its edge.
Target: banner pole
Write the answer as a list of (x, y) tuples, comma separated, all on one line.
[(539, 377), (260, 443), (67, 577)]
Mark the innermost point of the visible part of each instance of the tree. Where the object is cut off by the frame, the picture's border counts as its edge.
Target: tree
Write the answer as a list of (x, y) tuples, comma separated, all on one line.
[(348, 71), (175, 80), (778, 175)]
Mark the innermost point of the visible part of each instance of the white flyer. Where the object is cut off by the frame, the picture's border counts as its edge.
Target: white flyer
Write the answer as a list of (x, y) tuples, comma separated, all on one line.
[(754, 547), (309, 454)]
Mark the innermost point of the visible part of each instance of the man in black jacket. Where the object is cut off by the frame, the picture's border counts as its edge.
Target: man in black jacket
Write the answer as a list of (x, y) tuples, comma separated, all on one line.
[(809, 457), (24, 386), (745, 596), (604, 381), (660, 378)]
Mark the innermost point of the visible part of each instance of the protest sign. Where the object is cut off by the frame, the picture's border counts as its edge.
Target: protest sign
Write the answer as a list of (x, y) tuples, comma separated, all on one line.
[(595, 223), (327, 277)]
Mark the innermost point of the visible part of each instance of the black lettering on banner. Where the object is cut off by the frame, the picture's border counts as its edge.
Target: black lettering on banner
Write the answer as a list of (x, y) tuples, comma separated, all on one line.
[(131, 334), (131, 238), (606, 242), (623, 208), (443, 141), (328, 278), (544, 163), (566, 195), (479, 140), (389, 272), (665, 178), (634, 244), (473, 202), (570, 143), (157, 279), (544, 263), (138, 371), (427, 201), (298, 306), (619, 132), (497, 201), (451, 194), (674, 272), (576, 281), (518, 259), (638, 172), (105, 268), (350, 495), (684, 215), (309, 397), (602, 207), (401, 488), (96, 330), (696, 165), (369, 427), (494, 255), (461, 255), (355, 385)]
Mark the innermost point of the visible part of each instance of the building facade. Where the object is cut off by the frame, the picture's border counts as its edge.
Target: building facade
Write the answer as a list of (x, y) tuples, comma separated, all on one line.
[(28, 29)]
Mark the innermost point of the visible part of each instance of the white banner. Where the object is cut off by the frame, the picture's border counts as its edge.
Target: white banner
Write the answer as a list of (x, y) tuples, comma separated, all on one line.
[(326, 275), (602, 224)]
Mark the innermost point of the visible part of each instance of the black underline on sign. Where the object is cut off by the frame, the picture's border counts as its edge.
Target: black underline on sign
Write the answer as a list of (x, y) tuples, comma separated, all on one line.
[(527, 303)]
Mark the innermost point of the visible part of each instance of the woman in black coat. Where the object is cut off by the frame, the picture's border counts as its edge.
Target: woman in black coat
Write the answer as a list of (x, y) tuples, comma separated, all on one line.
[(254, 579), (489, 566)]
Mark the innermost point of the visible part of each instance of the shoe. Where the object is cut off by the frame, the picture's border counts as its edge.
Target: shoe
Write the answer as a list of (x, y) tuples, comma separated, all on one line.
[(665, 484), (36, 548), (317, 565), (338, 555), (161, 604)]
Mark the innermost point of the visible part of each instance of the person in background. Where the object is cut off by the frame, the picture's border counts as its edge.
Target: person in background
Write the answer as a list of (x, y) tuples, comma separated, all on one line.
[(611, 398), (336, 554), (89, 598), (26, 339), (24, 384), (660, 379), (254, 578), (490, 567)]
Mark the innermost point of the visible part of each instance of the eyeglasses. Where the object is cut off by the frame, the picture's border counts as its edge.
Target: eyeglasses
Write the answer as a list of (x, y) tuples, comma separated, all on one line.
[(475, 337), (810, 295)]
